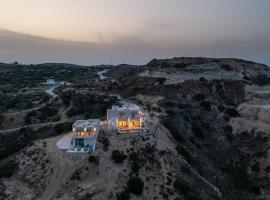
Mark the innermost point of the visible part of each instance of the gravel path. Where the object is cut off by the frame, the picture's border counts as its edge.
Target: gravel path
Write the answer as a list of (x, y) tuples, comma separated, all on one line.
[(62, 171)]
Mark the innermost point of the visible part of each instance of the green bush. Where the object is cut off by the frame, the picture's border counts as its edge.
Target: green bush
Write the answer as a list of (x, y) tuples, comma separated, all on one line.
[(206, 105), (185, 153), (90, 105), (63, 127), (197, 130), (94, 159), (135, 185), (199, 97), (136, 162), (106, 143), (124, 195), (228, 132), (118, 156), (220, 108), (173, 130), (255, 167), (14, 142), (7, 169), (1, 119), (232, 112), (183, 188), (161, 80), (226, 67), (180, 65), (202, 79)]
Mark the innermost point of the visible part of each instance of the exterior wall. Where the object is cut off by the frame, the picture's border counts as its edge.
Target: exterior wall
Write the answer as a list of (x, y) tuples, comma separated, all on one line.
[(88, 142), (113, 114), (112, 119)]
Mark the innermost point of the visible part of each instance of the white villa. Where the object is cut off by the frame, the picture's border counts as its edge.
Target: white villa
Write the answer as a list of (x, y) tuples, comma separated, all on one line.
[(126, 119), (85, 133)]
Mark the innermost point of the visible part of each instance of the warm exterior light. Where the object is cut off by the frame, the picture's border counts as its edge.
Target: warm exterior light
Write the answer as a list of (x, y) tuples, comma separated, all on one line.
[(95, 129), (85, 129), (73, 129), (130, 124), (133, 124), (122, 124)]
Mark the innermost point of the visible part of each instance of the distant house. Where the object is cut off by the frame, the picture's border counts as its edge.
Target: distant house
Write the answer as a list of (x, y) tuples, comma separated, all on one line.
[(50, 81), (126, 119), (85, 133)]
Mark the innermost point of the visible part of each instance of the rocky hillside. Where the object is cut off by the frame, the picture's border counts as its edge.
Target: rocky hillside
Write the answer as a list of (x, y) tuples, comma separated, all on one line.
[(209, 138), (198, 113)]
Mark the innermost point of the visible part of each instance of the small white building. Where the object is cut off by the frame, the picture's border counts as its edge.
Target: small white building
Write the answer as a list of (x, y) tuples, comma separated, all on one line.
[(126, 119), (85, 133), (50, 81)]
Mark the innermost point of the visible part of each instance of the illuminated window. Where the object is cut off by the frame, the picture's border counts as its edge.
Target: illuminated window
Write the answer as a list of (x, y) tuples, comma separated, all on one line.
[(122, 124), (85, 129), (73, 129), (133, 124)]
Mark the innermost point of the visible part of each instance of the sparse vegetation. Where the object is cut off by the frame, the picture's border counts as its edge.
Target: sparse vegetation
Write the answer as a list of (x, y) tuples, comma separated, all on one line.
[(8, 168), (199, 97), (181, 65), (46, 113), (90, 106), (17, 140), (261, 79), (232, 112), (226, 67), (185, 153), (198, 131), (106, 143), (118, 156), (197, 135), (124, 195), (1, 119), (135, 185), (169, 124), (228, 132), (183, 188), (94, 159), (62, 127), (136, 162), (21, 101), (161, 80), (206, 105)]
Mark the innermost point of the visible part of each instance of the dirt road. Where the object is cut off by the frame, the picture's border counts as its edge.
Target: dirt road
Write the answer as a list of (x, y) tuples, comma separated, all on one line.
[(32, 126), (64, 168)]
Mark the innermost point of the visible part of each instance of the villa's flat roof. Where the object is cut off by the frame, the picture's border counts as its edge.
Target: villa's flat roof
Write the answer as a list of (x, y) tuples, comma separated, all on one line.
[(90, 123), (131, 107)]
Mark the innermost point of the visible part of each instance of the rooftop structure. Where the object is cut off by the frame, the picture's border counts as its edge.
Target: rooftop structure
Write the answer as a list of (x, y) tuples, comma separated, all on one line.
[(85, 133), (125, 119)]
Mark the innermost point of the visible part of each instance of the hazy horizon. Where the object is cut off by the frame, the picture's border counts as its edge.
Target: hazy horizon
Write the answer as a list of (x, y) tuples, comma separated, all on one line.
[(125, 31)]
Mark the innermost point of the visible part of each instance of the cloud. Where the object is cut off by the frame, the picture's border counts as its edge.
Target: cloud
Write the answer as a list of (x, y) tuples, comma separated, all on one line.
[(130, 48)]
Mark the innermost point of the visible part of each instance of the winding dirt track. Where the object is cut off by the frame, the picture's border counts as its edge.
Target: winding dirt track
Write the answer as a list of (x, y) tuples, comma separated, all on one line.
[(63, 117), (49, 91), (62, 170)]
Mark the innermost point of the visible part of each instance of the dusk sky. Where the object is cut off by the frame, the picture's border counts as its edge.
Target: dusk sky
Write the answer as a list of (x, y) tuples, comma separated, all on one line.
[(132, 31)]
